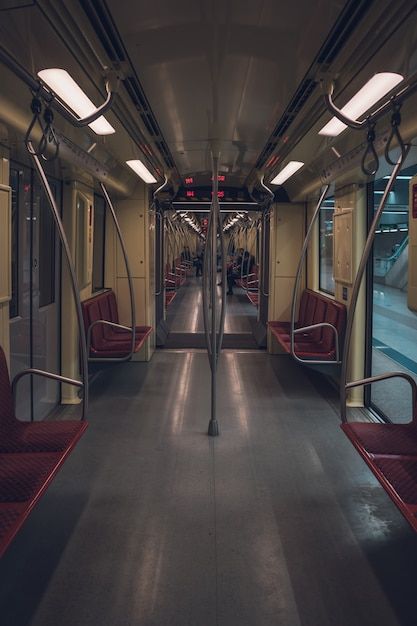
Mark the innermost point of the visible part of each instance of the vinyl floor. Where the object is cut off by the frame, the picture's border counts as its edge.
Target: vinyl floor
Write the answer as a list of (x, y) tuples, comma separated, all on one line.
[(151, 522)]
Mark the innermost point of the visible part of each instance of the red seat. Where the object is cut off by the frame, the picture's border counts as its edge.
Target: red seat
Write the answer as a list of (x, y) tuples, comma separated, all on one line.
[(108, 341), (31, 453), (390, 451), (169, 297), (318, 343), (380, 439), (17, 436)]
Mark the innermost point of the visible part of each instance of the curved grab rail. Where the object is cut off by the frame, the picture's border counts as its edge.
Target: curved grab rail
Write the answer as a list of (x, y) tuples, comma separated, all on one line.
[(131, 293), (73, 278), (375, 379), (300, 270), (32, 371), (400, 96), (358, 281), (159, 216), (335, 361), (336, 111), (160, 220), (79, 122)]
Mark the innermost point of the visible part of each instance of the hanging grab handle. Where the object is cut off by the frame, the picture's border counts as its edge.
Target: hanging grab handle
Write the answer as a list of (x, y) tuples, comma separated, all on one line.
[(48, 136), (371, 153), (395, 133)]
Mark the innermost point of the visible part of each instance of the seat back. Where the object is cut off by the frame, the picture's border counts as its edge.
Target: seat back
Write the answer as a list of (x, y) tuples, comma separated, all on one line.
[(100, 307), (309, 311), (336, 315), (7, 414), (302, 308)]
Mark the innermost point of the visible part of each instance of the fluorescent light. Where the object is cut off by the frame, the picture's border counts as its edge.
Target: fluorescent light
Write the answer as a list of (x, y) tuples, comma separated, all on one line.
[(287, 172), (139, 168), (64, 86), (370, 94), (399, 177)]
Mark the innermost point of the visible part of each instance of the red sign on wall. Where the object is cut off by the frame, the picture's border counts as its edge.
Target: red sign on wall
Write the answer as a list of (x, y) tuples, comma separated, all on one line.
[(414, 201)]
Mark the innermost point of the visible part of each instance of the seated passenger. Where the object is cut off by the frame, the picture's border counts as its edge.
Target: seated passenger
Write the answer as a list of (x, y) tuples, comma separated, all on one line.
[(243, 266)]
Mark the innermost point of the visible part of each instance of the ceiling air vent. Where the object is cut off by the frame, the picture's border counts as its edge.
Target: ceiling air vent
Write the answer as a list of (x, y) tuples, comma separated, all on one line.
[(106, 31)]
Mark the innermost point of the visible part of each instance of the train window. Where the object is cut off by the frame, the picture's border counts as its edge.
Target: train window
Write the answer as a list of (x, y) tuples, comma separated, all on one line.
[(14, 184), (99, 242), (81, 252), (326, 279), (46, 251), (393, 314)]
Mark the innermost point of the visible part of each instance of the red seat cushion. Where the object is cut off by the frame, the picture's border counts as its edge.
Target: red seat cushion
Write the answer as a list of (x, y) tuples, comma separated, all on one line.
[(108, 341), (395, 439)]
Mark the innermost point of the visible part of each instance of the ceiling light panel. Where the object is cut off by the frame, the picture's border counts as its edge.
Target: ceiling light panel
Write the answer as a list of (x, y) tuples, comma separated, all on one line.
[(371, 93), (141, 170), (287, 172), (65, 87)]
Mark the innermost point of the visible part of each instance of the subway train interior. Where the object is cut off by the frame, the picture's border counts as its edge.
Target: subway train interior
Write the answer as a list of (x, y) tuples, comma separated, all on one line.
[(208, 313)]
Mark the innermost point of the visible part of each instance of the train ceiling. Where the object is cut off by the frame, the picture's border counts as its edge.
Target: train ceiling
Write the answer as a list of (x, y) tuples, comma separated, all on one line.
[(220, 70), (241, 72)]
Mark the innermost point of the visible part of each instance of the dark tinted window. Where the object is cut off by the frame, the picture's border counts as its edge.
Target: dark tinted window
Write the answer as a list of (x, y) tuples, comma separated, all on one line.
[(46, 251), (99, 242), (14, 184), (326, 280)]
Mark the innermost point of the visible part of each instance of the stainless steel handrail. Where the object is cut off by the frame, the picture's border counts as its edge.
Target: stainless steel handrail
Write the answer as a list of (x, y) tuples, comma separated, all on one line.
[(73, 278), (131, 292), (266, 214), (213, 337), (398, 97), (298, 275), (319, 361), (92, 117), (159, 216), (160, 289), (32, 371), (358, 281), (375, 379)]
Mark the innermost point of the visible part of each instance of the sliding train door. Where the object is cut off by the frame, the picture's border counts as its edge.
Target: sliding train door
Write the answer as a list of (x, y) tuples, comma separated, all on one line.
[(35, 305), (392, 320)]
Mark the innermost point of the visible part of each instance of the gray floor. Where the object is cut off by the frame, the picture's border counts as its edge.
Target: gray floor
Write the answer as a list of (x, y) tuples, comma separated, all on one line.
[(150, 522), (185, 314)]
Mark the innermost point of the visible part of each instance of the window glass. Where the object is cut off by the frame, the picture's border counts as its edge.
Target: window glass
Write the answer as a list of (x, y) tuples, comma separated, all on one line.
[(46, 251), (394, 317), (99, 242), (14, 184), (81, 250), (326, 280)]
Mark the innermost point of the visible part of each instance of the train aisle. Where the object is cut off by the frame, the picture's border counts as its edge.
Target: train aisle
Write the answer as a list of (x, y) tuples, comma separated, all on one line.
[(186, 324), (151, 522), (185, 314)]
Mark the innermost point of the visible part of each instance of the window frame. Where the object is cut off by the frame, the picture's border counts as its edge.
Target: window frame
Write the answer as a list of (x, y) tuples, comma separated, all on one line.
[(96, 288), (323, 208)]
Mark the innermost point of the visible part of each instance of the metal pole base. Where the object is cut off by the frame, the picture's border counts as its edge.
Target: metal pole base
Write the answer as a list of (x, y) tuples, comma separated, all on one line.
[(213, 428)]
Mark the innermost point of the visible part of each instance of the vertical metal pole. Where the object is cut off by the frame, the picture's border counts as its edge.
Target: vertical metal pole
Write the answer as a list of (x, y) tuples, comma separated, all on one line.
[(213, 427), (73, 277), (358, 281)]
